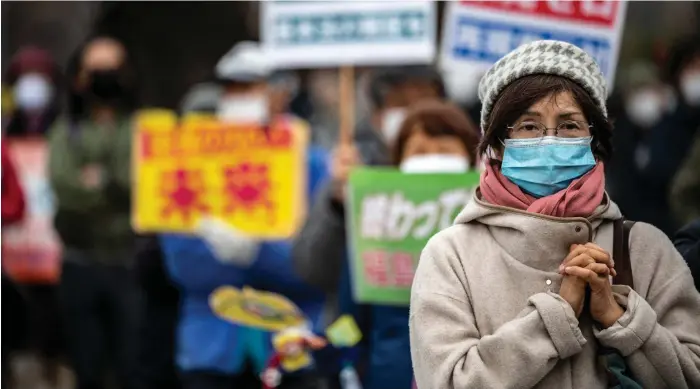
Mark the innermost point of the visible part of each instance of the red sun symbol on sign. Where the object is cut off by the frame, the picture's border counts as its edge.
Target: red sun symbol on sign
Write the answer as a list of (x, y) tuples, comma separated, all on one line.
[(183, 190), (246, 186)]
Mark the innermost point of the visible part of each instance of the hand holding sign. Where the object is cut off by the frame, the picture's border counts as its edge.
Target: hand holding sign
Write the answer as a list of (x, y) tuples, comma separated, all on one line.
[(227, 243)]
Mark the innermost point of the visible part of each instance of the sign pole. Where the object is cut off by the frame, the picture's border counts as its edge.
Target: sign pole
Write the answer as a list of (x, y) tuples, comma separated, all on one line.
[(347, 104)]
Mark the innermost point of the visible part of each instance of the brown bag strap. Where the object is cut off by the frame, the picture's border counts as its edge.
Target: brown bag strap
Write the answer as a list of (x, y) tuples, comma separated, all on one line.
[(621, 252)]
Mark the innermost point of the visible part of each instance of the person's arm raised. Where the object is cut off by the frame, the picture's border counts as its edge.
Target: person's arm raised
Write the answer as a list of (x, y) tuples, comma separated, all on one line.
[(447, 348)]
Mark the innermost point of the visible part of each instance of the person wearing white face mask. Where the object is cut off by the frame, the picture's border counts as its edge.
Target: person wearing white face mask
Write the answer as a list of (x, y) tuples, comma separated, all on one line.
[(322, 238), (684, 69), (522, 291), (649, 142), (434, 136), (212, 352), (32, 75), (243, 74)]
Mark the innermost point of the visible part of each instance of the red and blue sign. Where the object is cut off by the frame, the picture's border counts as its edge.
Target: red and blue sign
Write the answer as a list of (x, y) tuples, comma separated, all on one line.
[(478, 33)]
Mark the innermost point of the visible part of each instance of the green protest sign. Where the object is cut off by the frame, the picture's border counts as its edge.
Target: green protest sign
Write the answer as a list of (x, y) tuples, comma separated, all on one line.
[(392, 216)]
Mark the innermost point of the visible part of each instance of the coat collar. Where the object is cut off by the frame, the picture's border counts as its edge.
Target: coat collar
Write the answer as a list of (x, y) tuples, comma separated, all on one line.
[(537, 241)]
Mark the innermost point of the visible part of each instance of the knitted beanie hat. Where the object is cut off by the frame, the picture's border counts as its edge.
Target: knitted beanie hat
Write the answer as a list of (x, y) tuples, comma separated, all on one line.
[(542, 57)]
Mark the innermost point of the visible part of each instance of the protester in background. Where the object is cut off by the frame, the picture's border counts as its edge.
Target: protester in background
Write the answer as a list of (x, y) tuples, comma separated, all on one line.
[(320, 250), (13, 304), (687, 242), (435, 137), (683, 73), (90, 173), (211, 352), (498, 299), (685, 192), (33, 76), (639, 177), (322, 239), (157, 340)]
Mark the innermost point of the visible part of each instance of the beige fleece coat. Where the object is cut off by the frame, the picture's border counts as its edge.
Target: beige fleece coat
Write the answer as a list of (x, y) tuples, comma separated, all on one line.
[(485, 312)]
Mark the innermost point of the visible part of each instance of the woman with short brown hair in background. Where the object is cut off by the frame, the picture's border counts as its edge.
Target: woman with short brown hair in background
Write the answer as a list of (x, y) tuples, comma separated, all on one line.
[(435, 129)]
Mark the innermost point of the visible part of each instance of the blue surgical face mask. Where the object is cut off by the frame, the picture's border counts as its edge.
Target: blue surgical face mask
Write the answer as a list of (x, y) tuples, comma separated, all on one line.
[(544, 166)]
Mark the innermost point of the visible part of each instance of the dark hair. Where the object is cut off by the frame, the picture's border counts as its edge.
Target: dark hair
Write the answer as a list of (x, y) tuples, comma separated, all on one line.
[(682, 52), (76, 101), (522, 93), (437, 118), (383, 80)]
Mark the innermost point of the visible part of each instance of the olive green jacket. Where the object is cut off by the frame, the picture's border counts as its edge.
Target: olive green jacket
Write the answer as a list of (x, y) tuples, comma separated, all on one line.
[(93, 220)]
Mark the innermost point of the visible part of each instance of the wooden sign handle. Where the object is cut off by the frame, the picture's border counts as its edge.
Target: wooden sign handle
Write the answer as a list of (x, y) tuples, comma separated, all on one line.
[(347, 104)]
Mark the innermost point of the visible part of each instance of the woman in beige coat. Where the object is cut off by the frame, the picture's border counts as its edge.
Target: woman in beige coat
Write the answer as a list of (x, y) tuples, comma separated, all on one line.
[(518, 294)]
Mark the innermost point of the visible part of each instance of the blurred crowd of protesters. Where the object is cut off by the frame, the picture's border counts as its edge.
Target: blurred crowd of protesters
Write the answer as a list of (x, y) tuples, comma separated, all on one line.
[(138, 304)]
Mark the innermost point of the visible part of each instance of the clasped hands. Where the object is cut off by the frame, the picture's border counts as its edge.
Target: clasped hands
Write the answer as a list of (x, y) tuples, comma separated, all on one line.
[(591, 265)]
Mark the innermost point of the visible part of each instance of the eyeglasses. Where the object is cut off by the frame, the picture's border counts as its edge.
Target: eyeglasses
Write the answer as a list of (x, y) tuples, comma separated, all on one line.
[(566, 129)]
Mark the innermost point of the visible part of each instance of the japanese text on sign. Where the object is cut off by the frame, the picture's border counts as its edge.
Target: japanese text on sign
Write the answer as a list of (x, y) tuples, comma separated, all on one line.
[(302, 34), (478, 33), (248, 176), (392, 217)]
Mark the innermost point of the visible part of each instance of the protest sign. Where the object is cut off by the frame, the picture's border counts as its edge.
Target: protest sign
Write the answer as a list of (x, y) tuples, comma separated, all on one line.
[(392, 217), (31, 249), (253, 308), (309, 34), (252, 177), (477, 33)]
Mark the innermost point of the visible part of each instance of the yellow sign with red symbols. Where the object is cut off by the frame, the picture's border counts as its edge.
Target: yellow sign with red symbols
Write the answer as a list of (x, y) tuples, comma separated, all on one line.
[(253, 177)]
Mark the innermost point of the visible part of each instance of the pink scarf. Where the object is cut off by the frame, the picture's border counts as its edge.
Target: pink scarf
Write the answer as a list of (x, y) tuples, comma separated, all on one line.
[(580, 199)]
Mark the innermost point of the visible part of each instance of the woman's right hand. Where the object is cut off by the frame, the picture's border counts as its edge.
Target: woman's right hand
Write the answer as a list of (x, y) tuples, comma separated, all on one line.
[(573, 289)]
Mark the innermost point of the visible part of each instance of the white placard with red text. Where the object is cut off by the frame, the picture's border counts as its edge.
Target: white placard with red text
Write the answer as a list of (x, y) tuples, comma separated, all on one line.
[(477, 33)]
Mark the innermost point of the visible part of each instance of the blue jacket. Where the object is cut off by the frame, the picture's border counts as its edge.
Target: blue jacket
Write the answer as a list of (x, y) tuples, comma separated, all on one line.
[(206, 342), (384, 355)]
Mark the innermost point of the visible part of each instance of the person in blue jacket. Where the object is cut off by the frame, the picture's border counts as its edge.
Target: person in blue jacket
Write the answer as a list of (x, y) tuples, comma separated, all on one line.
[(213, 353)]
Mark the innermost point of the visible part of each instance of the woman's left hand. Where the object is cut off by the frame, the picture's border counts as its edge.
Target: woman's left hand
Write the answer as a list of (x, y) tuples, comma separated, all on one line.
[(604, 308)]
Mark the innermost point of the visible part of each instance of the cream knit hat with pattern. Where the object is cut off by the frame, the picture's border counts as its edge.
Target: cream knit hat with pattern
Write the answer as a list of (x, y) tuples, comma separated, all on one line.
[(542, 57)]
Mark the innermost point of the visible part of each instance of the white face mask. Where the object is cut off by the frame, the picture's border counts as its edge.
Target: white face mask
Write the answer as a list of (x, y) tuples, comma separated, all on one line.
[(690, 87), (243, 109), (391, 123), (435, 163), (33, 92), (644, 108)]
